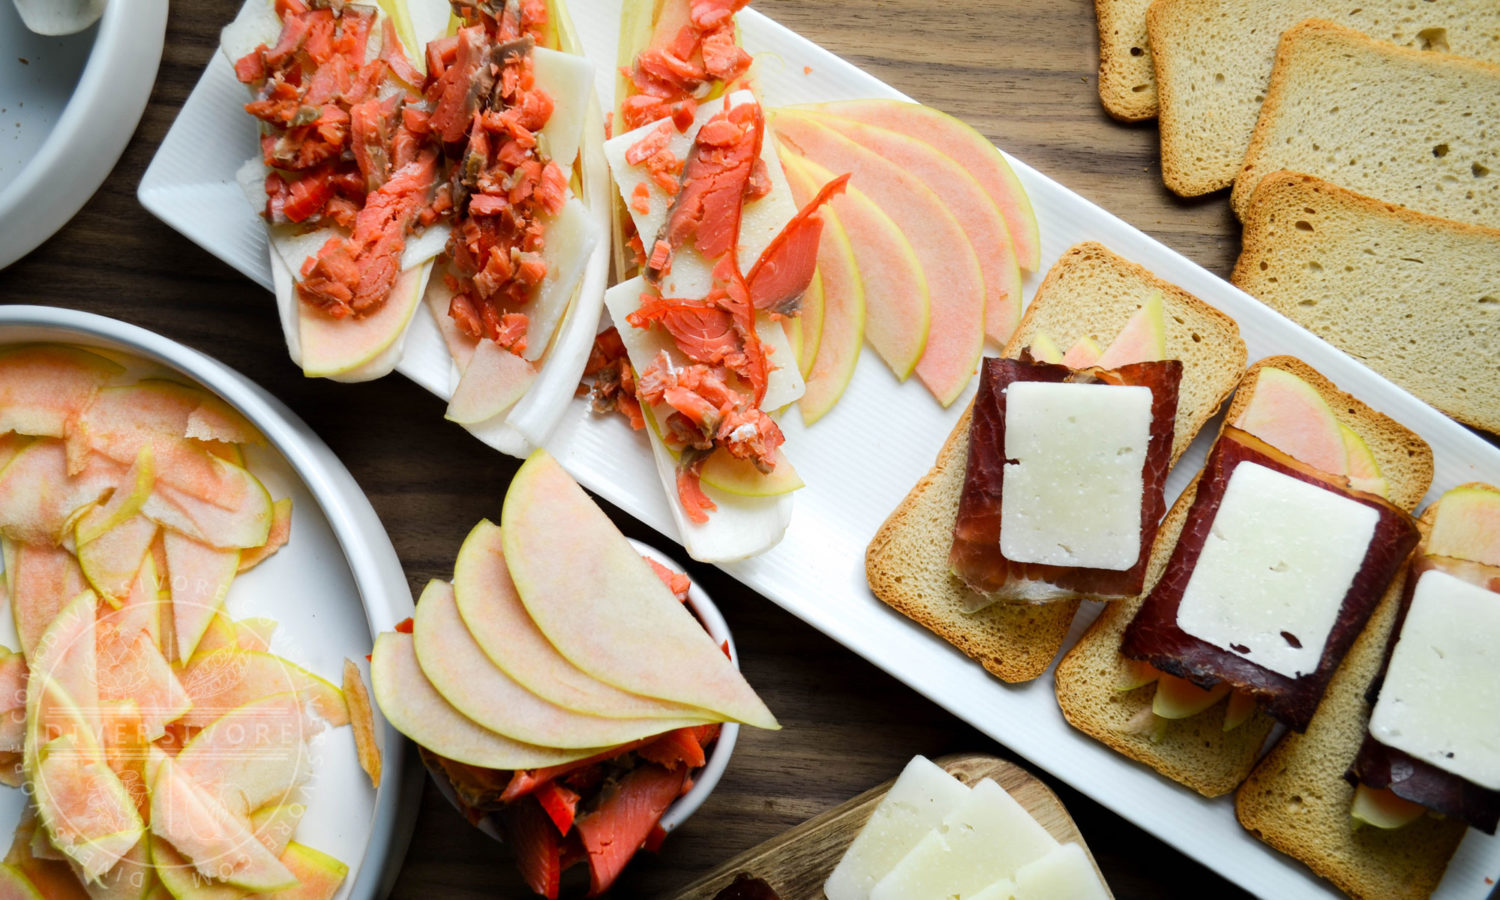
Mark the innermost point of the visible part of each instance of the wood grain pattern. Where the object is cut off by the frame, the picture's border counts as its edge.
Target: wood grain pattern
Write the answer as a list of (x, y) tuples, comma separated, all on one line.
[(1021, 71), (798, 862)]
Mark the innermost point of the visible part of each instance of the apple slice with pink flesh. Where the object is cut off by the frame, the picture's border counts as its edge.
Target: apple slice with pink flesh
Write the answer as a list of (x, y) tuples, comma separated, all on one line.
[(219, 843), (38, 497), (43, 387), (1241, 706), (1289, 414), (88, 813), (245, 526), (51, 877), (461, 346), (13, 675), (896, 293), (602, 606), (494, 381), (967, 147), (254, 633), (66, 663), (1085, 352), (1363, 469), (360, 348), (131, 667), (318, 874), (936, 235), (1178, 698), (199, 577), (143, 605), (130, 879), (276, 538), (841, 328), (1142, 339), (414, 707), (499, 623), (126, 748), (274, 824), (454, 663), (958, 190), (42, 579), (11, 444), (230, 677), (14, 885), (1467, 525), (252, 755), (181, 881), (111, 560), (1044, 349), (126, 501)]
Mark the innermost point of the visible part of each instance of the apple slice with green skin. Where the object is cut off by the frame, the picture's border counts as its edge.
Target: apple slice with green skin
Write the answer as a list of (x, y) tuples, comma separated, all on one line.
[(231, 677), (898, 306), (456, 666), (111, 560), (963, 195), (38, 496), (1044, 349), (956, 338), (43, 387), (199, 577), (741, 477), (1289, 414), (12, 444), (414, 707), (318, 874), (182, 881), (1178, 698), (965, 146), (274, 824), (1084, 353), (13, 675), (360, 348), (66, 663), (1239, 709), (41, 579), (241, 526), (126, 748), (251, 755), (1142, 339), (14, 885), (1135, 673), (87, 812), (496, 617), (1364, 471), (130, 879), (1382, 808), (123, 504), (841, 330), (603, 607), (219, 843), (142, 609), (276, 538), (494, 381), (1467, 525), (244, 634), (255, 633), (131, 667)]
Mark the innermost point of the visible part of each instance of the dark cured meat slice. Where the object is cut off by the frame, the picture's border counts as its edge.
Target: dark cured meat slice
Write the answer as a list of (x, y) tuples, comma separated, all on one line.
[(975, 557), (1154, 635), (1417, 780), (746, 887)]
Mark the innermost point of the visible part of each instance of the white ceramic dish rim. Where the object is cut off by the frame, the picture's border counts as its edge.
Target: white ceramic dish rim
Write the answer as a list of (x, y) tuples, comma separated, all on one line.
[(372, 559), (78, 154), (718, 760)]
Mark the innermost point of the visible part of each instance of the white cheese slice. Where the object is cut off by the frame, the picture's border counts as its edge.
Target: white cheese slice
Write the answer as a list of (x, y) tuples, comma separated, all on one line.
[(1063, 874), (1276, 564), (1000, 890), (986, 839), (915, 804), (567, 79), (1441, 698), (1075, 473)]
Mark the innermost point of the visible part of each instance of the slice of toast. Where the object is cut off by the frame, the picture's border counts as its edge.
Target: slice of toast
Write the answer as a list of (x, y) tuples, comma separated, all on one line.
[(1213, 61), (1127, 84), (1196, 751), (1297, 800), (1414, 297), (1090, 292), (1407, 126)]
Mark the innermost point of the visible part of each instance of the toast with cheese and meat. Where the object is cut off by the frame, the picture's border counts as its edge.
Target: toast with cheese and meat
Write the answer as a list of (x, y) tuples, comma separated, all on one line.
[(1089, 294), (1197, 751)]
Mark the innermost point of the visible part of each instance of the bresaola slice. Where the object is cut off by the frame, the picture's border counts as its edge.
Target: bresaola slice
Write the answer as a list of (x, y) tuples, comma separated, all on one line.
[(976, 556), (1156, 636)]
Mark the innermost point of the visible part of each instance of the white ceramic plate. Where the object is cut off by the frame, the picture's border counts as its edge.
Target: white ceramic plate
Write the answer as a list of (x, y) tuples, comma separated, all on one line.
[(860, 460), (334, 585), (67, 112)]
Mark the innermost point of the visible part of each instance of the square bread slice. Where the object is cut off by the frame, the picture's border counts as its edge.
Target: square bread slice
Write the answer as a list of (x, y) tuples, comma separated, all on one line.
[(1196, 751), (1213, 61), (1090, 292), (1296, 799), (1406, 126), (1412, 296), (1127, 85)]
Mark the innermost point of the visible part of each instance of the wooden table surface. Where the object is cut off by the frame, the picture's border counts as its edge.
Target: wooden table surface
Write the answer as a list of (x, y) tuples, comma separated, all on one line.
[(1021, 71)]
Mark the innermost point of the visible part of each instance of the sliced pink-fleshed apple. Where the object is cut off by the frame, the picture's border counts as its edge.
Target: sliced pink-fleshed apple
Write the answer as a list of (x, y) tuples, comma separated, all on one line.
[(240, 527), (88, 813), (492, 383), (219, 843), (275, 823), (841, 329), (14, 885), (362, 721), (459, 670), (181, 881), (414, 707), (1292, 416), (131, 667), (143, 605), (1142, 339), (496, 617), (360, 347), (214, 420), (252, 755), (254, 633), (13, 675), (38, 497), (11, 444), (965, 197), (898, 307), (318, 874), (230, 677), (123, 504), (42, 579), (599, 603), (967, 147), (460, 346), (199, 577), (742, 478), (1178, 698), (130, 879), (111, 560), (126, 748), (63, 685), (43, 387), (936, 235), (1085, 352), (1239, 709), (276, 538), (1363, 470), (1467, 525)]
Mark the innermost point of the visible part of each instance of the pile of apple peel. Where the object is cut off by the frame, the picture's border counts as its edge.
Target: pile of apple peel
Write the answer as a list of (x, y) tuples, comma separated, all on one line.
[(162, 743)]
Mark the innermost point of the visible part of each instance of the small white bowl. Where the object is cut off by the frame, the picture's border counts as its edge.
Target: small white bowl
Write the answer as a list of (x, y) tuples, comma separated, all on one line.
[(44, 181)]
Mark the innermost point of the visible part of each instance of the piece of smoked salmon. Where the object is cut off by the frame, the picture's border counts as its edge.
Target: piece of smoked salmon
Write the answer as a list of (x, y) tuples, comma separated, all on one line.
[(614, 831)]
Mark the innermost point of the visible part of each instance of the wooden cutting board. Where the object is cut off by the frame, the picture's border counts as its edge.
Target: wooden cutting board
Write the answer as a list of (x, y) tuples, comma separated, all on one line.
[(797, 862)]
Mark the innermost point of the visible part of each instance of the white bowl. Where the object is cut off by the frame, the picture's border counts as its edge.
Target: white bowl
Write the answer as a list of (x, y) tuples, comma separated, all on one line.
[(306, 591), (706, 778), (65, 144)]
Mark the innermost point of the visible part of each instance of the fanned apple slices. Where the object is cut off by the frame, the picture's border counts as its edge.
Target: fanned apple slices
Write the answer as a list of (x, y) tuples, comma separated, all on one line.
[(163, 744)]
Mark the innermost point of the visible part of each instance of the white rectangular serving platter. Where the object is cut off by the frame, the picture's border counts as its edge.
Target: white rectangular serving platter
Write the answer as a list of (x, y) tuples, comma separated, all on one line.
[(861, 459)]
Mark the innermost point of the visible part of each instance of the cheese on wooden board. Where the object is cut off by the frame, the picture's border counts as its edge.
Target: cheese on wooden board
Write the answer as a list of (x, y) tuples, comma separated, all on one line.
[(918, 802), (1440, 701), (986, 839), (1277, 562), (1075, 474), (1065, 873)]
